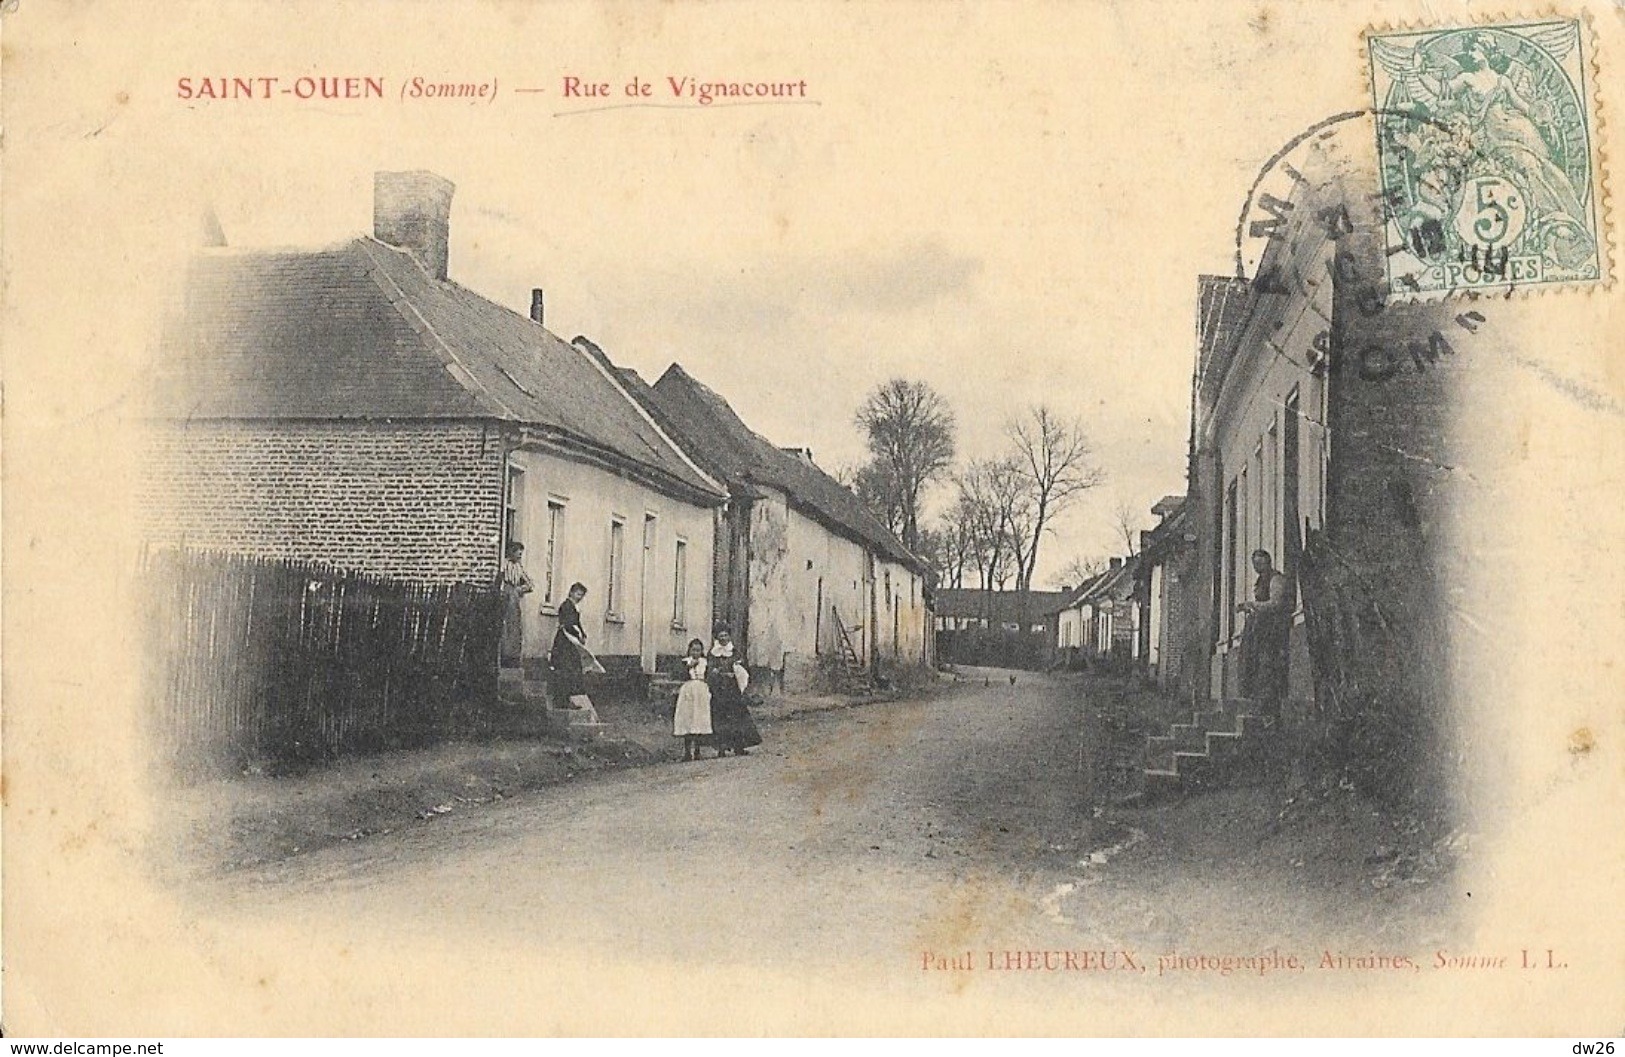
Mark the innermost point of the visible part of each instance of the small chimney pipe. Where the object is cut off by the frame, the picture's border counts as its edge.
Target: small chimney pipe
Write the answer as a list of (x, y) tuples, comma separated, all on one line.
[(536, 305)]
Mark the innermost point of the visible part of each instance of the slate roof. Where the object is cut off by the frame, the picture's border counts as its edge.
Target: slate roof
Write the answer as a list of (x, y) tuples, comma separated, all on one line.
[(729, 450), (361, 331), (1082, 591), (1016, 607), (1221, 309), (1113, 583)]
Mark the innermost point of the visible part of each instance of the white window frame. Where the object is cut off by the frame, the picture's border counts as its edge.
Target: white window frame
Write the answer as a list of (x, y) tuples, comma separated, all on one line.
[(513, 510), (679, 586), (615, 571), (553, 554)]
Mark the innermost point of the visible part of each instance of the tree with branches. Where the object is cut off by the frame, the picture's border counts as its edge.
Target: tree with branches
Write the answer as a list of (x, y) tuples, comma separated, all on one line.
[(1053, 458), (949, 547), (1079, 571), (991, 502), (877, 487), (909, 428), (1126, 520)]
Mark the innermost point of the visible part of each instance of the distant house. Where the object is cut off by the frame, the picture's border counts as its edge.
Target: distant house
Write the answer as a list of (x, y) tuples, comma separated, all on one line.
[(354, 406), (1166, 589), (802, 569), (1016, 629), (1074, 624), (1028, 612), (1107, 614)]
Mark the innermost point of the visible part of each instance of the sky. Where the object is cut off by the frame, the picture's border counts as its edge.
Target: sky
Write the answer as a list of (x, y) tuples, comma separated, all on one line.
[(1010, 204)]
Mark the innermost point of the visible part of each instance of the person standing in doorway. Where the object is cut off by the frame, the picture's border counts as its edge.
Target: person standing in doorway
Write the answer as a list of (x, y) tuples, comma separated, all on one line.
[(1264, 639), (516, 584)]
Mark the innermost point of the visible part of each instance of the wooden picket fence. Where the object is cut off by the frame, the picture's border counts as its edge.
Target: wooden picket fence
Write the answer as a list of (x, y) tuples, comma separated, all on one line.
[(278, 663)]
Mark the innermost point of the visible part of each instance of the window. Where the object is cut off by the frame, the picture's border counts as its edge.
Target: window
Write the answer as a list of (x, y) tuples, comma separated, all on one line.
[(550, 557), (617, 567), (511, 506), (1271, 498), (1244, 544), (1291, 519), (1255, 505), (1227, 612), (679, 587)]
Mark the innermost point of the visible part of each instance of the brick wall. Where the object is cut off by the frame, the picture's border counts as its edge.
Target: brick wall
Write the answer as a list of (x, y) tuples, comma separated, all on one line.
[(419, 501)]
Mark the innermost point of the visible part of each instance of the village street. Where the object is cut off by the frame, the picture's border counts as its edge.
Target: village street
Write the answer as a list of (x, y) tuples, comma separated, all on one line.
[(867, 832), (866, 838)]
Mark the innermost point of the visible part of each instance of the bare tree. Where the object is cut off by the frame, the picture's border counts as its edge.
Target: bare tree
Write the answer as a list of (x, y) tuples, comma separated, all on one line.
[(910, 431), (1079, 571), (1126, 521), (992, 502), (1053, 457), (975, 509), (949, 547), (877, 487)]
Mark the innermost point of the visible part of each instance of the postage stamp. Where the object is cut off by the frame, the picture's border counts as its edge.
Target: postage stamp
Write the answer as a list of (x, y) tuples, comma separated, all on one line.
[(1488, 157)]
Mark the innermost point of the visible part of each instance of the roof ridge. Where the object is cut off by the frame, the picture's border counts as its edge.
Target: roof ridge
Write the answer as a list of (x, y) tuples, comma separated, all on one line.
[(858, 521), (599, 360), (397, 297)]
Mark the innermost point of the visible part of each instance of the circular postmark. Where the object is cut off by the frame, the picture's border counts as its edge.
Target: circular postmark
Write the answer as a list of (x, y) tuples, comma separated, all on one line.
[(1320, 188)]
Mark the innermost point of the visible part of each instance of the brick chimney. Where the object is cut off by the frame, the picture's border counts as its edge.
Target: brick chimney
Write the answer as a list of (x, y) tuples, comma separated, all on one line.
[(536, 305), (412, 211), (1117, 563)]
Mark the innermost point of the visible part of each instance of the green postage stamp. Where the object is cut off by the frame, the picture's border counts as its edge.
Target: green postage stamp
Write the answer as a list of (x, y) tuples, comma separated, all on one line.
[(1488, 157)]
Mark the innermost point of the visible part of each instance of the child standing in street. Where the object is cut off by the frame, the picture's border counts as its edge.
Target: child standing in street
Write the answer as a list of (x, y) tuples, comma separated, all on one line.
[(692, 721)]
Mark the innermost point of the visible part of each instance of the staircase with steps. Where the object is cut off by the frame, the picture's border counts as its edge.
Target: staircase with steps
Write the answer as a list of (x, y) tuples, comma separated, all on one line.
[(531, 709), (1218, 747)]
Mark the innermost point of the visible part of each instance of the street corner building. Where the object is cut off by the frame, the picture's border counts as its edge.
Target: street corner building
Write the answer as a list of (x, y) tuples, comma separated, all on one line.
[(817, 589), (352, 408), (1360, 437)]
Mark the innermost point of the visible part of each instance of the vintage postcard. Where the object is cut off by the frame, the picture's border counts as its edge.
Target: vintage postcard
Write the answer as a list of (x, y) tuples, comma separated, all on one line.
[(750, 519)]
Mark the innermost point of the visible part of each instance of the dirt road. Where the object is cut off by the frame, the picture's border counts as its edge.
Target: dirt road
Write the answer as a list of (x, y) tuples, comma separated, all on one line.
[(862, 845), (860, 833)]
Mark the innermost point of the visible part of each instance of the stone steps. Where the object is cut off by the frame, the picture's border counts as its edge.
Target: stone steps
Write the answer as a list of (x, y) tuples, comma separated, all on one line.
[(530, 710), (1216, 747)]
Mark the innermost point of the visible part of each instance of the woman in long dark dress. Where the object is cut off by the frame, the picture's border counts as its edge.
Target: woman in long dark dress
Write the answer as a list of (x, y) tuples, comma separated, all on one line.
[(516, 584), (732, 729), (1264, 639), (566, 660)]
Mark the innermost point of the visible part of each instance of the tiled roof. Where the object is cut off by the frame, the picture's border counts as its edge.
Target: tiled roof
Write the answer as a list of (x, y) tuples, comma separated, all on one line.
[(1221, 308), (1113, 583), (1078, 593), (729, 450), (1016, 607), (360, 330)]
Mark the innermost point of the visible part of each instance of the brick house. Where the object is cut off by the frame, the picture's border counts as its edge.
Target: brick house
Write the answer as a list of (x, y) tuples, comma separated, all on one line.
[(352, 405), (1334, 427), (802, 569)]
